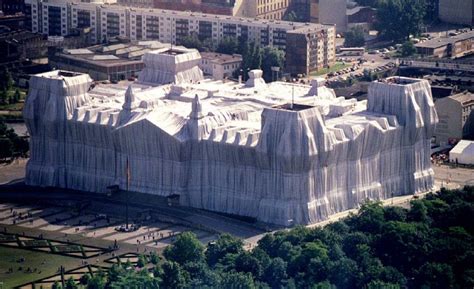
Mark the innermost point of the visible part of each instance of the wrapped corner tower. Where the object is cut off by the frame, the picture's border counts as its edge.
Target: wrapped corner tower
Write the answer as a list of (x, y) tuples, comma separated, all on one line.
[(243, 149)]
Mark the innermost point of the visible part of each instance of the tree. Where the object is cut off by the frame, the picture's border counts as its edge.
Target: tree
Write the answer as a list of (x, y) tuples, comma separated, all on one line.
[(3, 97), (115, 272), (245, 262), (6, 81), (418, 211), (173, 276), (141, 261), (201, 276), (435, 276), (186, 248), (271, 57), (275, 274), (191, 41), (377, 284), (369, 75), (235, 280), (154, 259), (343, 272), (354, 37), (6, 148), (371, 217), (371, 3), (398, 19), (16, 96), (3, 127), (226, 244), (431, 11), (407, 49), (96, 282), (85, 279), (323, 285), (228, 45), (70, 284), (255, 57), (56, 285), (132, 279)]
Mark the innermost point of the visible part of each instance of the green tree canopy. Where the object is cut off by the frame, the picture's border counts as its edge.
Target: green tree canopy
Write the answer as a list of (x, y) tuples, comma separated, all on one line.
[(226, 244), (236, 280), (354, 37), (173, 276), (186, 248), (70, 284), (228, 45), (398, 19), (271, 57), (407, 49)]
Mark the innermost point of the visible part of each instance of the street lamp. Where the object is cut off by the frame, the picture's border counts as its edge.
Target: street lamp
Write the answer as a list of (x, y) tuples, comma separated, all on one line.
[(293, 94), (275, 70)]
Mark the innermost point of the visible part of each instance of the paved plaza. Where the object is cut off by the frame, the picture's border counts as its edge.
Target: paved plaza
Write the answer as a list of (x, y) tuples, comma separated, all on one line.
[(69, 224)]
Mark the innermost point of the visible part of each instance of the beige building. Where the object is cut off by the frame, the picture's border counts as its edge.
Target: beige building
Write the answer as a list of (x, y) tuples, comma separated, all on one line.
[(219, 65), (317, 45), (264, 9), (452, 47), (456, 118), (457, 11), (138, 24), (333, 12)]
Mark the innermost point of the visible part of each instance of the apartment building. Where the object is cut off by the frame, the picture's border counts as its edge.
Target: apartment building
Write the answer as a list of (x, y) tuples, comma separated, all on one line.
[(55, 18), (220, 65), (318, 46), (86, 16), (456, 118), (263, 9), (457, 11), (168, 26)]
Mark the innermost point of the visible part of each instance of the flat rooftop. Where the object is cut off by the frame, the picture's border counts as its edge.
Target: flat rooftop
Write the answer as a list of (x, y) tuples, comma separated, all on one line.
[(115, 54), (221, 58), (213, 17), (440, 42)]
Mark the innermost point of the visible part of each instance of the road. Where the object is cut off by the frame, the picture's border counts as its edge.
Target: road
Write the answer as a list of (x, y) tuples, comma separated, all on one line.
[(445, 176)]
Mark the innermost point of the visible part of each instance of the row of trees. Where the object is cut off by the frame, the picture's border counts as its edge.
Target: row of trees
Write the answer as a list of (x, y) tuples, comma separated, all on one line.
[(8, 98), (254, 56), (429, 245), (6, 88), (11, 145), (396, 19)]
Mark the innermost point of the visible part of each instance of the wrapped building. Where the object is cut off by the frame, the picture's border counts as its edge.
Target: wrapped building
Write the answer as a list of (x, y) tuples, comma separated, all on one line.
[(282, 153)]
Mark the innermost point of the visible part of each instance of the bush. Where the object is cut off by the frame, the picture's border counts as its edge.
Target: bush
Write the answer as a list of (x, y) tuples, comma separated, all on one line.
[(407, 49), (354, 37)]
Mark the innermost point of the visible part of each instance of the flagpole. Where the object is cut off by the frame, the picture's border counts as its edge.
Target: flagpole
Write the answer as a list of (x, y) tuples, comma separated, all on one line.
[(126, 196)]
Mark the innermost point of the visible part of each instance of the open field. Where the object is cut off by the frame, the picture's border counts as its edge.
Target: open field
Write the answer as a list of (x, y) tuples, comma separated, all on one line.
[(45, 265), (336, 67)]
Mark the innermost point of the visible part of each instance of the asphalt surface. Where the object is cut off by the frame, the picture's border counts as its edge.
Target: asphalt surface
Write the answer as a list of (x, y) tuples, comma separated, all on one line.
[(445, 176)]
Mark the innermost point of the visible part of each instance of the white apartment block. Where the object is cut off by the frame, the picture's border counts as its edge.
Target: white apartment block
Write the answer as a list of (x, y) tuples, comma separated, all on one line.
[(57, 17), (53, 18), (83, 15)]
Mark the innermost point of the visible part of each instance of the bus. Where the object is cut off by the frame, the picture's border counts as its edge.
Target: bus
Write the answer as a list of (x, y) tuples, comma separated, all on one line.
[(351, 51)]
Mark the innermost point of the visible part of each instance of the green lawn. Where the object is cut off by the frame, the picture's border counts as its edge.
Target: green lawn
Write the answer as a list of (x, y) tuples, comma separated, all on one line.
[(336, 67), (9, 259), (14, 106)]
